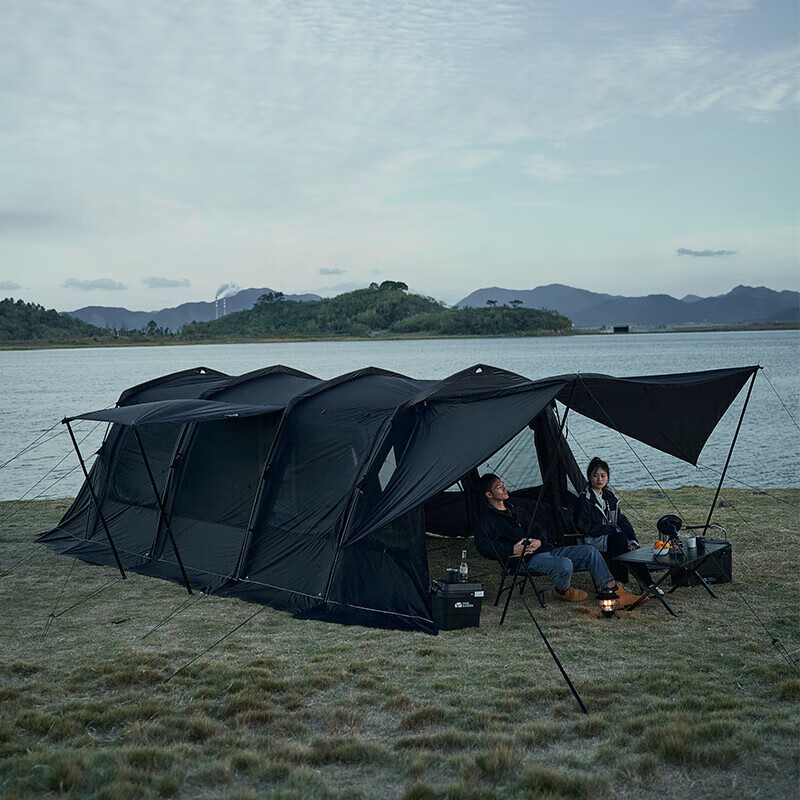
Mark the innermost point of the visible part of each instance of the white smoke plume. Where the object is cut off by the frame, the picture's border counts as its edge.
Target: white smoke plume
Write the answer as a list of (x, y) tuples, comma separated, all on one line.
[(227, 289)]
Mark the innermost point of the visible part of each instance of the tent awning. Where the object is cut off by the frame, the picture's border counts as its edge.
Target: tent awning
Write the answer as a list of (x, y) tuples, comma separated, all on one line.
[(175, 411), (673, 413)]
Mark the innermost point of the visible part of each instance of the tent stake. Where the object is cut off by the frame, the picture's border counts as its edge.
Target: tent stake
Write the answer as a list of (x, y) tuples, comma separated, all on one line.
[(730, 453), (162, 511), (94, 497)]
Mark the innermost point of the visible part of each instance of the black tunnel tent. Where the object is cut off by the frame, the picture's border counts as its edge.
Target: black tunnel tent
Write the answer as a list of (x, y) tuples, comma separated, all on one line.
[(314, 496)]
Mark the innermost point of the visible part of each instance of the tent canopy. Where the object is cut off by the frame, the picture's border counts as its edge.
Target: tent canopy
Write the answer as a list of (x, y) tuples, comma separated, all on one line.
[(162, 412), (314, 495)]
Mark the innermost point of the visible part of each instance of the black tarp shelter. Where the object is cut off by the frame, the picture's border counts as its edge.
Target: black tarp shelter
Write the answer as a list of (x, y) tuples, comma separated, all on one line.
[(314, 495)]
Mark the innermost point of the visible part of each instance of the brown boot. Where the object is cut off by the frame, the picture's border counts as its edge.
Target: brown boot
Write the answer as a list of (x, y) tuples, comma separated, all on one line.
[(571, 594), (627, 599)]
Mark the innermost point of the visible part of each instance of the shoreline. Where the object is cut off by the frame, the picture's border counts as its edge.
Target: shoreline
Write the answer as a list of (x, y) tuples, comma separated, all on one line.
[(634, 329)]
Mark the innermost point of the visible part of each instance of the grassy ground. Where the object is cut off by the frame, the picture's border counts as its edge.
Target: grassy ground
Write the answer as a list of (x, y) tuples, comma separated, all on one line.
[(703, 705)]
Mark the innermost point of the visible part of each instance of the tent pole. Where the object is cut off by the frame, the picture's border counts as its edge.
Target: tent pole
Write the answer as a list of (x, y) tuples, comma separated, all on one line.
[(162, 510), (94, 497), (538, 627), (730, 453), (555, 658), (546, 477)]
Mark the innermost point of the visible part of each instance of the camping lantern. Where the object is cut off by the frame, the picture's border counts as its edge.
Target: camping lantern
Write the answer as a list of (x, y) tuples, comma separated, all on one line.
[(607, 598)]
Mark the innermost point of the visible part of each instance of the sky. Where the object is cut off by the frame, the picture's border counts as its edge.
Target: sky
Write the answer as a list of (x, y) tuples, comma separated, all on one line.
[(154, 152)]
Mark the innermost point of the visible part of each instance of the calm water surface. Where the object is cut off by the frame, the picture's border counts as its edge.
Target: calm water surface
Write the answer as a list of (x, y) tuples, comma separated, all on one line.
[(38, 388)]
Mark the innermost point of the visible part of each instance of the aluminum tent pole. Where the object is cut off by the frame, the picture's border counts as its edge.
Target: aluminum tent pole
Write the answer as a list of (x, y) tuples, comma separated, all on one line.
[(730, 453), (94, 497), (545, 479), (538, 626), (162, 510)]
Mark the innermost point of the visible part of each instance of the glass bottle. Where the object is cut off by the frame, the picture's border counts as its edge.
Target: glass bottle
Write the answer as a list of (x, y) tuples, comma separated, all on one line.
[(463, 570)]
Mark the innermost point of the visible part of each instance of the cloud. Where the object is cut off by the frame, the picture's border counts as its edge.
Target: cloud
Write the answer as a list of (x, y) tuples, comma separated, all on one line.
[(165, 283), (543, 168), (332, 271), (9, 286), (16, 221), (684, 251), (90, 286)]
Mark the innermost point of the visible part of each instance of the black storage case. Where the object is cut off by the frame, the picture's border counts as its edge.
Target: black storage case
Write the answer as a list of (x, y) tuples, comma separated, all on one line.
[(456, 605), (717, 568)]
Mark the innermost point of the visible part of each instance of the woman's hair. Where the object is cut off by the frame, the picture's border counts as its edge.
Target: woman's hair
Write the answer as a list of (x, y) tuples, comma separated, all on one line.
[(594, 464)]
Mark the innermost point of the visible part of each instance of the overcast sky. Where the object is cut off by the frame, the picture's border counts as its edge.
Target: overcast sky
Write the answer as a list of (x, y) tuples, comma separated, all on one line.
[(153, 151)]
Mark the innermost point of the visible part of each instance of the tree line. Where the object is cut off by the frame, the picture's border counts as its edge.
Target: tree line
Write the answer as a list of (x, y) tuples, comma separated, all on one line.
[(385, 309), (380, 310)]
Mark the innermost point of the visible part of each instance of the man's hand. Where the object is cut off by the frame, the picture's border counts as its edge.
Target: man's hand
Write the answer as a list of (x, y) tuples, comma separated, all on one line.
[(527, 546), (633, 545)]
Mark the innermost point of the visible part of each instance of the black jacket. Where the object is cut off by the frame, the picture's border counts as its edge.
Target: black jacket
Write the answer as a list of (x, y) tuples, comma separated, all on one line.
[(497, 532), (594, 524)]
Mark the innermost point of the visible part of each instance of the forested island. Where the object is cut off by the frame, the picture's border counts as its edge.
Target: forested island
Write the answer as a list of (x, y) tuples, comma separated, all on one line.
[(379, 311)]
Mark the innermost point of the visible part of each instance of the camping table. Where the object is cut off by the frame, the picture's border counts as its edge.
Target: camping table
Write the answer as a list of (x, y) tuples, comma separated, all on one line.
[(689, 560)]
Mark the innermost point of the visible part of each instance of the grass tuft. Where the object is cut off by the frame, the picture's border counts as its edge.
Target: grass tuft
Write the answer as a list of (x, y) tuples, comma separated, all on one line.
[(419, 791), (24, 668), (444, 741), (399, 702), (344, 719), (426, 717), (347, 750), (686, 742), (498, 763), (790, 690), (545, 781)]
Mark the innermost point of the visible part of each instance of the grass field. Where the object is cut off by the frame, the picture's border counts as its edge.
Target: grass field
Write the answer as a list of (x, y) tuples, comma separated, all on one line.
[(703, 705)]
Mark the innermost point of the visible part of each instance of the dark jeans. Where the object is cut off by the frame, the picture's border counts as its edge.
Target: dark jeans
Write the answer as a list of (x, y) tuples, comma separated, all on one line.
[(617, 544), (561, 562)]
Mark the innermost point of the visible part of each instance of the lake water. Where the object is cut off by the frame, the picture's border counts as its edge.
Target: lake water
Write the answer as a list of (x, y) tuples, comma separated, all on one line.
[(40, 387)]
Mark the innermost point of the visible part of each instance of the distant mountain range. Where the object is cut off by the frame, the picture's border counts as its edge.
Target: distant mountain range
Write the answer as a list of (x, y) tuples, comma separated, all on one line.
[(592, 309), (175, 318), (586, 309)]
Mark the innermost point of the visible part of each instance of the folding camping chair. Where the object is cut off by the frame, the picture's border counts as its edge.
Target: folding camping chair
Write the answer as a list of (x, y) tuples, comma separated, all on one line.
[(517, 574)]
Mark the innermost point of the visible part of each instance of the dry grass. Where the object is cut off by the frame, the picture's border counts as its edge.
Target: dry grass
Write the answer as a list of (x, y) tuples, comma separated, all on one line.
[(702, 705)]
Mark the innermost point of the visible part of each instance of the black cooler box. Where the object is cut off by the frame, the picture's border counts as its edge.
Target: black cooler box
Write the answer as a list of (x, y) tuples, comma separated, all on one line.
[(456, 605), (717, 568)]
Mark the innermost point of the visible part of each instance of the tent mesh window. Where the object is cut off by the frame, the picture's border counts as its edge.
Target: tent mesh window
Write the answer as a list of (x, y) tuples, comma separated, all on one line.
[(130, 483), (517, 462), (223, 468)]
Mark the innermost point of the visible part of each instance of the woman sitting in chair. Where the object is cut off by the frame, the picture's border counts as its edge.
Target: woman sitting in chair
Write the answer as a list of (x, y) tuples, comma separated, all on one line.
[(598, 519)]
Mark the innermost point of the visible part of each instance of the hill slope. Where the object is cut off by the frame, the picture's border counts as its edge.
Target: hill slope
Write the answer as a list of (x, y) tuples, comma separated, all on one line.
[(30, 322), (174, 318), (584, 308), (372, 311)]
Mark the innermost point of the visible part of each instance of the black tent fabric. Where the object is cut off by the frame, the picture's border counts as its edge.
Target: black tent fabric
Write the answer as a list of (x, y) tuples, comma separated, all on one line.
[(673, 413), (164, 412), (315, 495)]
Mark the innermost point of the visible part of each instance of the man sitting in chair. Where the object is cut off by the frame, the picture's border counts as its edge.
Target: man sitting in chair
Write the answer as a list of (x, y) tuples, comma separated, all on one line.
[(505, 529)]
